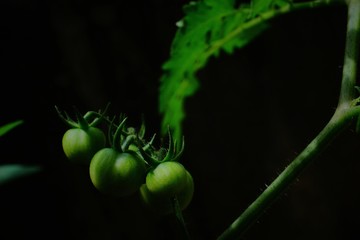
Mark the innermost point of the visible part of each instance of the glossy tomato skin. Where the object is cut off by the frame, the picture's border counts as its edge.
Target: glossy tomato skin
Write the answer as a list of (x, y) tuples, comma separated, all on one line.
[(167, 179), (117, 174), (163, 205), (80, 145)]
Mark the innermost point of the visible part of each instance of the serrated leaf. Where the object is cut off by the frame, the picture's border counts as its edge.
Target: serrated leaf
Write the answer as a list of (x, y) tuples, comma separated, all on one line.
[(259, 6), (208, 27), (10, 172), (8, 127)]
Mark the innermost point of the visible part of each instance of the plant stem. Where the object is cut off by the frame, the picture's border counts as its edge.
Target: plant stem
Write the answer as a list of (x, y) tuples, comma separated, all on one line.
[(341, 119), (351, 54), (289, 174), (180, 218)]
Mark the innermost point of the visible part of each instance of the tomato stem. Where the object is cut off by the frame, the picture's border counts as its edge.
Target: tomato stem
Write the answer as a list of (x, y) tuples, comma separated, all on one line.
[(170, 151), (116, 143), (128, 140), (66, 119), (179, 217), (100, 116), (80, 119), (345, 112), (351, 55)]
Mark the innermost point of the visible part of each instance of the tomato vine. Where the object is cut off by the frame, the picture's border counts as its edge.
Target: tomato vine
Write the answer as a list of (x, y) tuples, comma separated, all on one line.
[(128, 163)]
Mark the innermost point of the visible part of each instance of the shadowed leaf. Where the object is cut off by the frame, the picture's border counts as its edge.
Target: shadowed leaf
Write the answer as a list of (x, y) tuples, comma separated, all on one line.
[(208, 28), (6, 128), (11, 172)]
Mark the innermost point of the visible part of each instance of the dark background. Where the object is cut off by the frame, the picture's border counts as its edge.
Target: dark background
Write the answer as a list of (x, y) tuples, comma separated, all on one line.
[(255, 111)]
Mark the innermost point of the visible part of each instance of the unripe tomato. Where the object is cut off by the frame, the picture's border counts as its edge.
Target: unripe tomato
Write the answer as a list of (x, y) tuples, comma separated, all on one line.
[(118, 174), (80, 145), (167, 179), (163, 205)]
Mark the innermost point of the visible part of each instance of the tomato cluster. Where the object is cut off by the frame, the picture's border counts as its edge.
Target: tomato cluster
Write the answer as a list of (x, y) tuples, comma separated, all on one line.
[(127, 163)]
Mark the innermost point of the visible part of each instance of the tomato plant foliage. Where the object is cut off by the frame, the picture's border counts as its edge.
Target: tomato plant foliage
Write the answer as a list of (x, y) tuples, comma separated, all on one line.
[(208, 26)]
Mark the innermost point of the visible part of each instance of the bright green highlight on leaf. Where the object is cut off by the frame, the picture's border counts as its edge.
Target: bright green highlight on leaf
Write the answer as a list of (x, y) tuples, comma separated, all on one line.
[(6, 128), (208, 27)]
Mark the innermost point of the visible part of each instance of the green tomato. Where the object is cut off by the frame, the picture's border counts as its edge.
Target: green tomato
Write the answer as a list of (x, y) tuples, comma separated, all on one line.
[(118, 174), (163, 205), (167, 179), (80, 145)]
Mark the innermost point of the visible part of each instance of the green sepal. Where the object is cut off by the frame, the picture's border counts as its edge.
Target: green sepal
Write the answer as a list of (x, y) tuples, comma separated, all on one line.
[(117, 136), (182, 147), (142, 129), (148, 145), (110, 134), (171, 150), (127, 141), (80, 119), (66, 119), (172, 153), (152, 161), (155, 157), (98, 116)]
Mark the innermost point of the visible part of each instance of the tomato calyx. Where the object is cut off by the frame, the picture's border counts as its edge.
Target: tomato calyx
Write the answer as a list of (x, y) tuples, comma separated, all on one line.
[(128, 139), (89, 119), (157, 156), (84, 138), (117, 138)]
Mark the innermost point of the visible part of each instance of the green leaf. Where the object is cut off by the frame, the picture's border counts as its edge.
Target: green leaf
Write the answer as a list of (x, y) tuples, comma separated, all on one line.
[(10, 172), (259, 6), (208, 27), (6, 128)]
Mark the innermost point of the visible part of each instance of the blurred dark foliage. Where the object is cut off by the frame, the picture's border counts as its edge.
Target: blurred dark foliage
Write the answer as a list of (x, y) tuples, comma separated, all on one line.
[(255, 111)]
